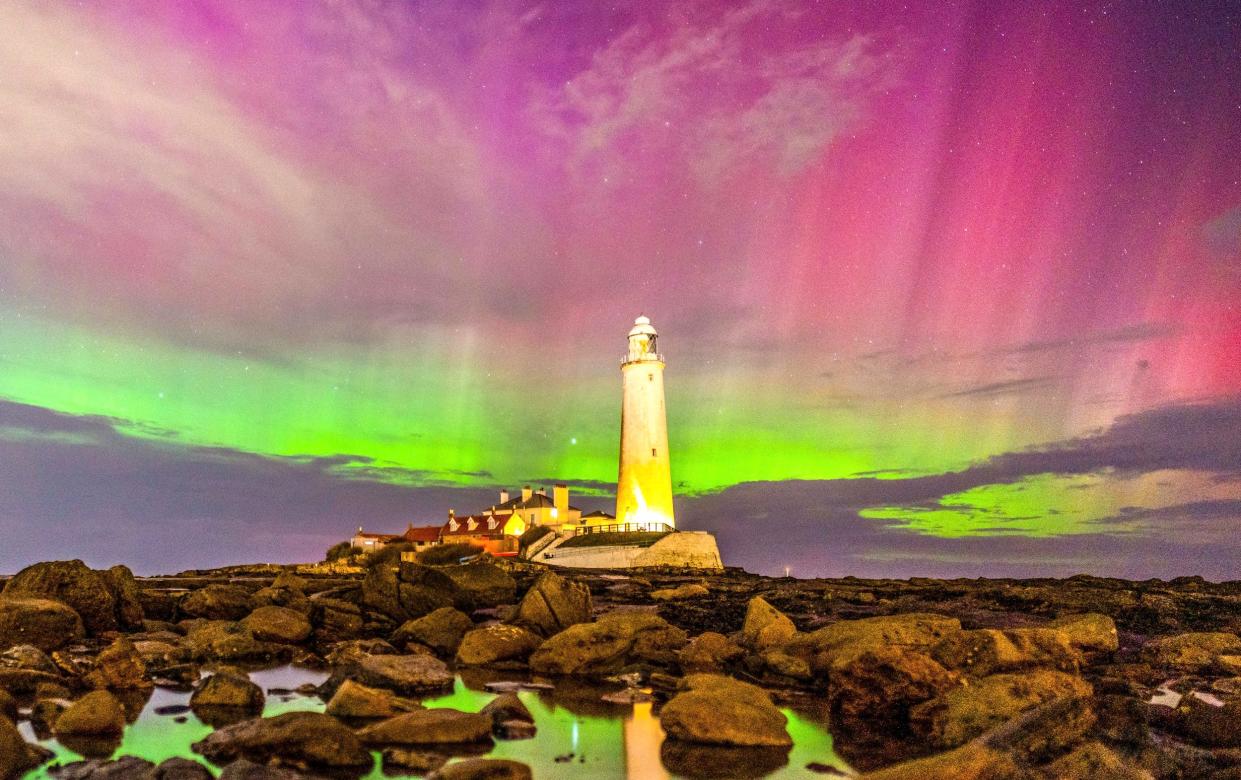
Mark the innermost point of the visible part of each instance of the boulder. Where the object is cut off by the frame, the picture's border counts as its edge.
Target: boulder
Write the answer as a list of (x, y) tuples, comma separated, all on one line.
[(553, 604), (972, 762), (282, 597), (8, 705), (615, 641), (44, 623), (87, 592), (497, 644), (1047, 730), (914, 630), (718, 710), (765, 626), (289, 581), (440, 630), (335, 620), (483, 769), (408, 591), (353, 651), (696, 760), (1089, 631), (987, 651), (223, 640), (441, 725), (16, 755), (217, 602), (124, 589), (277, 624), (398, 761), (690, 590), (1095, 761), (124, 768), (964, 712), (297, 739), (119, 667), (482, 584), (180, 769), (408, 675), (1193, 652), (780, 663), (708, 652), (248, 770), (358, 701), (231, 689), (1209, 725), (27, 657), (507, 707), (870, 694), (98, 713)]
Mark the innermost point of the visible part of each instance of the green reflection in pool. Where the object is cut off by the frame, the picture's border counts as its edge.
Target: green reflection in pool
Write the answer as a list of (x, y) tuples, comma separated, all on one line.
[(591, 738)]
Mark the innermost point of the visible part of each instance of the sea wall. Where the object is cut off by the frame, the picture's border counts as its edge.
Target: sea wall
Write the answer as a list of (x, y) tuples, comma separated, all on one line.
[(682, 549)]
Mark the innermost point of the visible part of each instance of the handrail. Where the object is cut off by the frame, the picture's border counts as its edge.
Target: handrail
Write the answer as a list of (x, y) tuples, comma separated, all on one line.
[(647, 357), (625, 528)]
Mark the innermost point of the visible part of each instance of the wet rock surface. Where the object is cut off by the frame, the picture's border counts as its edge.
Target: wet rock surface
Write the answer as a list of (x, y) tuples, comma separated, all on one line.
[(1082, 677)]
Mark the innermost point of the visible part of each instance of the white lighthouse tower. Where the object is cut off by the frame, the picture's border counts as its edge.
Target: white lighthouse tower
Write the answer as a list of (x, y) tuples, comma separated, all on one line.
[(644, 486)]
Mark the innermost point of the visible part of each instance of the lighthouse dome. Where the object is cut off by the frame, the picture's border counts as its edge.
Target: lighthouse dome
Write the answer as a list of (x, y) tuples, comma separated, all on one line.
[(642, 327)]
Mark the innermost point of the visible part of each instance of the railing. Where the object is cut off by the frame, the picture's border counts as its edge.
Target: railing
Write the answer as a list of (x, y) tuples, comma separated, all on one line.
[(649, 356), (621, 528)]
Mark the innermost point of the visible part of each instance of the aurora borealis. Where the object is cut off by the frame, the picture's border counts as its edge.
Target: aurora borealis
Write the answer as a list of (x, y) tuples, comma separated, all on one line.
[(944, 290)]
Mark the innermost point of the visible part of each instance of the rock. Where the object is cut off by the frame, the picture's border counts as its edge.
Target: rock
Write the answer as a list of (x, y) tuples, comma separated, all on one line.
[(124, 768), (1089, 631), (506, 707), (615, 641), (483, 769), (222, 640), (354, 651), (248, 770), (124, 589), (553, 604), (1193, 652), (440, 630), (1095, 761), (8, 707), (765, 626), (45, 711), (232, 689), (1229, 664), (118, 667), (282, 597), (690, 590), (309, 740), (441, 725), (408, 591), (290, 581), (27, 657), (217, 602), (915, 630), (972, 762), (87, 592), (1045, 731), (1211, 726), (695, 760), (870, 694), (181, 769), (781, 663), (482, 584), (409, 675), (277, 624), (987, 651), (497, 644), (708, 652), (335, 620), (718, 710), (962, 713), (354, 700), (43, 623), (16, 756), (419, 762), (98, 713)]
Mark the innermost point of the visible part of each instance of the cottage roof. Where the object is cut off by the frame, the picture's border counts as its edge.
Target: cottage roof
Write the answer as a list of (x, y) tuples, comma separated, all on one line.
[(422, 533)]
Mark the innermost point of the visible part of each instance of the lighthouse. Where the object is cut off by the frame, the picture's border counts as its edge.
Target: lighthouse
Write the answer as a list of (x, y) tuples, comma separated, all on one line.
[(644, 486)]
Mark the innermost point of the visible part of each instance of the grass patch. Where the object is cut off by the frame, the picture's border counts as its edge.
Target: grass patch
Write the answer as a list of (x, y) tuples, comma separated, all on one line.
[(603, 539)]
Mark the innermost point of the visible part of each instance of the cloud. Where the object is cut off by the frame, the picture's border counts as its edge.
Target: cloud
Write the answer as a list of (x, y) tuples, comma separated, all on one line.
[(1223, 236), (1009, 387), (706, 87), (1143, 331)]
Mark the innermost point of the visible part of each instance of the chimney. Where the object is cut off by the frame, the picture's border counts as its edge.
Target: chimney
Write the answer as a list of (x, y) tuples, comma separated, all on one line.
[(542, 492), (503, 496), (560, 500), (451, 514), (525, 493)]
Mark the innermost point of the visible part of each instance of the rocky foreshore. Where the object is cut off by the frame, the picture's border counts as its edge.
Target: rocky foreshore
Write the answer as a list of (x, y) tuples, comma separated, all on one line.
[(1078, 678)]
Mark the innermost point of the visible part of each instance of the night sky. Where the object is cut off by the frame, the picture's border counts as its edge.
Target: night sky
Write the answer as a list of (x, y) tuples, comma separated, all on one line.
[(947, 290)]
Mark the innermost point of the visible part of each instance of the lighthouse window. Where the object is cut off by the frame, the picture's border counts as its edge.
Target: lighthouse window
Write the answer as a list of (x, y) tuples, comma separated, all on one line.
[(652, 452), (650, 377)]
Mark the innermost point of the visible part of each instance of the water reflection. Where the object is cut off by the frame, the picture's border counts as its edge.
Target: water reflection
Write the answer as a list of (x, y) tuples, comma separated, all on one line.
[(578, 734)]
